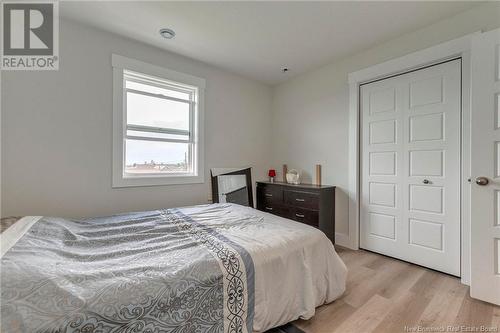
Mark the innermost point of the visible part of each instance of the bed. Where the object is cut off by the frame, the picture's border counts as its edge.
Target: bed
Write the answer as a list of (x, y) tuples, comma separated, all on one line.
[(209, 268)]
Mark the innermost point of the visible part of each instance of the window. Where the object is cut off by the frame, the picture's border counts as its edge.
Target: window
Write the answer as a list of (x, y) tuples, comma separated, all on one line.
[(157, 125)]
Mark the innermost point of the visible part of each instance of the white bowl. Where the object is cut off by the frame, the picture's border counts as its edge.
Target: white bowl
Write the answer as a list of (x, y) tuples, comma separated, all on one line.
[(293, 177)]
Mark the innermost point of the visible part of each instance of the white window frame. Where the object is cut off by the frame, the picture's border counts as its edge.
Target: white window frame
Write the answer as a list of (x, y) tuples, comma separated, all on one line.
[(119, 178)]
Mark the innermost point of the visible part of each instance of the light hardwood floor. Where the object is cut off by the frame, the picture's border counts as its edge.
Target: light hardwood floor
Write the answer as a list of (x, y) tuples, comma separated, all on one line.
[(385, 295)]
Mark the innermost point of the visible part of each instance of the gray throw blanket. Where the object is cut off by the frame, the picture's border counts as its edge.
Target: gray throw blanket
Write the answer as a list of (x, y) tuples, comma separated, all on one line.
[(158, 271)]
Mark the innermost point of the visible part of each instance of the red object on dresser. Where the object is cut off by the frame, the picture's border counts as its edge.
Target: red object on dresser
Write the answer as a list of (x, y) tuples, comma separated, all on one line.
[(272, 173)]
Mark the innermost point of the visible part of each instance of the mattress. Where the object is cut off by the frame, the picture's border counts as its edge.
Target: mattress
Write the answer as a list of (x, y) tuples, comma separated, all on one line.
[(294, 266)]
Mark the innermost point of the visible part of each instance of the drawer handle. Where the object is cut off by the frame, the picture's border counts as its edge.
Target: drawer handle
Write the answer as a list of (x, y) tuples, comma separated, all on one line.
[(269, 208), (268, 195), (300, 215), (300, 200)]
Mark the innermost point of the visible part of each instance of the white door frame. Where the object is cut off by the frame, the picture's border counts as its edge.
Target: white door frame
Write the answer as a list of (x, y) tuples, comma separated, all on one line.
[(456, 48)]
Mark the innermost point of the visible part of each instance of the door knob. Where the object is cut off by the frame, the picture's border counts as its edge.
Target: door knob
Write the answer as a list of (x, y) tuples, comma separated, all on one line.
[(482, 181), (426, 181)]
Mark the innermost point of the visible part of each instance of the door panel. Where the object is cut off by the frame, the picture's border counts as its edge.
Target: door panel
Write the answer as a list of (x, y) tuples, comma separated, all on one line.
[(383, 194), (382, 101), (426, 91), (383, 163), (427, 127), (427, 234), (485, 162), (382, 225), (383, 132), (410, 146), (427, 163), (428, 199)]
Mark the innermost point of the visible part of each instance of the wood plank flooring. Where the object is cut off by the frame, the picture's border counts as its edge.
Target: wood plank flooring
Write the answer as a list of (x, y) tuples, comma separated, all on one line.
[(386, 295)]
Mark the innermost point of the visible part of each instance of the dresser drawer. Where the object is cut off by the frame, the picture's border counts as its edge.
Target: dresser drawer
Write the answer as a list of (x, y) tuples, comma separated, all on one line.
[(274, 209), (302, 199), (270, 194), (305, 203), (305, 216)]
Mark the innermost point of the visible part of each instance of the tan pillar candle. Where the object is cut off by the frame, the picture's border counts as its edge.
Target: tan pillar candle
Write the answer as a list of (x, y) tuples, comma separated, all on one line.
[(318, 174)]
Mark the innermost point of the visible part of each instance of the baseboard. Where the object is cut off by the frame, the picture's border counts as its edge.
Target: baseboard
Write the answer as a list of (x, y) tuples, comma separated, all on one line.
[(342, 240)]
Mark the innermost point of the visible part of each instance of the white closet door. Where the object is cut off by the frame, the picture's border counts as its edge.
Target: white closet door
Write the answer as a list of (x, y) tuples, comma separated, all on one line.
[(410, 187), (485, 168)]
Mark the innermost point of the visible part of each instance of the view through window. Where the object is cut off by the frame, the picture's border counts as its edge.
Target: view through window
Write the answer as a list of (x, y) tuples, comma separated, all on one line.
[(159, 137)]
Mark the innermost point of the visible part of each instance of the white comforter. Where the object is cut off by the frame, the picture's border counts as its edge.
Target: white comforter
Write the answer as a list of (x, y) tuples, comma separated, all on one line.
[(296, 266)]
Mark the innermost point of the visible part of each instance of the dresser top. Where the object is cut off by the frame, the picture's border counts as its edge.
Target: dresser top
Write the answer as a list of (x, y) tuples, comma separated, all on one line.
[(306, 186)]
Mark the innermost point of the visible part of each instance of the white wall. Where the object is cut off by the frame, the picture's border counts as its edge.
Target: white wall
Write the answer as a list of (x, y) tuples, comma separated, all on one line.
[(56, 126), (56, 130), (310, 112)]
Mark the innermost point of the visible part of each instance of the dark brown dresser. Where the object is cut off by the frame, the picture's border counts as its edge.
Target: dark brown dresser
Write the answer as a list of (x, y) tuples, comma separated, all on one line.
[(310, 204)]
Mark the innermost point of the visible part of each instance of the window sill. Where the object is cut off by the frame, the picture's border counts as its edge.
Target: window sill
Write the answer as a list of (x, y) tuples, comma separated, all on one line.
[(120, 181)]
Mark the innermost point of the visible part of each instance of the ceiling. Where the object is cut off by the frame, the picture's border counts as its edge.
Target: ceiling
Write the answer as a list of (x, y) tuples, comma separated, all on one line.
[(257, 39)]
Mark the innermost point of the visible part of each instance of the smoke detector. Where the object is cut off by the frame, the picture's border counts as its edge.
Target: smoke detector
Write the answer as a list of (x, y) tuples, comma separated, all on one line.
[(167, 33)]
